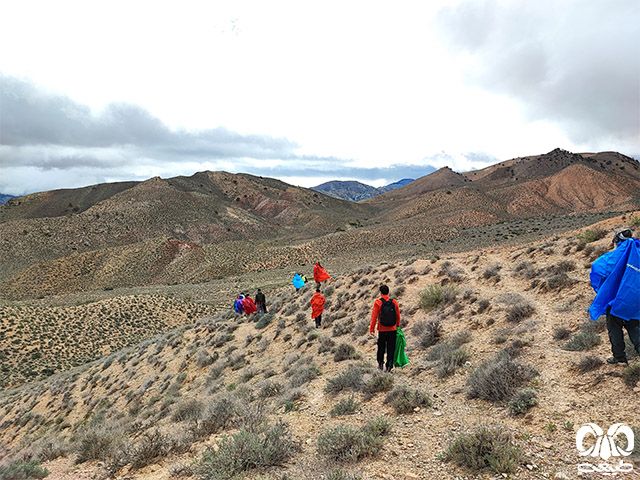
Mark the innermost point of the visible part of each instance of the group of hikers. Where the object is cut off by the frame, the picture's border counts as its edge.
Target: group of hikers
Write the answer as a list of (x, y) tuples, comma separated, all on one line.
[(615, 277), (246, 304), (385, 315)]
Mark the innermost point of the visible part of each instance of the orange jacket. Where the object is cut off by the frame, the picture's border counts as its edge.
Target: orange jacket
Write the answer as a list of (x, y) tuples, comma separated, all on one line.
[(317, 305), (375, 316), (319, 273)]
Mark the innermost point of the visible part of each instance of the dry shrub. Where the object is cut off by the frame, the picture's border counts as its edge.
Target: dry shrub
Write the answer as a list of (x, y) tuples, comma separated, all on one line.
[(485, 448), (405, 399), (427, 332), (346, 443), (497, 379), (588, 364), (520, 311)]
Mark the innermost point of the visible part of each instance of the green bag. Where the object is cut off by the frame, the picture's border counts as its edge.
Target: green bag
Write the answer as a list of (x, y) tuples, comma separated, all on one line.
[(400, 358)]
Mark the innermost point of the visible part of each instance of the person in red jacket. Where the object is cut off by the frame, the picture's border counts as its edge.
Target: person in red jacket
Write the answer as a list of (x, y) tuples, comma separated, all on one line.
[(320, 274), (249, 305), (317, 307), (386, 314)]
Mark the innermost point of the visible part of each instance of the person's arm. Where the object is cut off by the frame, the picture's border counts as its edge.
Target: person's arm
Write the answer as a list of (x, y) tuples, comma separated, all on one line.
[(374, 316)]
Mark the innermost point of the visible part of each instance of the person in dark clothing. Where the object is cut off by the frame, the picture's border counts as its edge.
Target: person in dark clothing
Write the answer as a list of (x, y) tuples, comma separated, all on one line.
[(261, 302), (386, 315)]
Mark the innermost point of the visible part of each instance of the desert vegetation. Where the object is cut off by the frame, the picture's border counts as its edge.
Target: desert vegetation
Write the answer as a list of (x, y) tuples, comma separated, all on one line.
[(500, 368)]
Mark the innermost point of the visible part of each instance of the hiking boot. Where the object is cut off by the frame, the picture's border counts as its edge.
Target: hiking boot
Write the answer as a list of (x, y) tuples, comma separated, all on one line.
[(388, 369), (380, 366), (614, 361)]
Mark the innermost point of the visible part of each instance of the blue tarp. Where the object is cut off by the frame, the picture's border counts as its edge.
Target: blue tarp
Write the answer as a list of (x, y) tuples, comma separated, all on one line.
[(615, 276)]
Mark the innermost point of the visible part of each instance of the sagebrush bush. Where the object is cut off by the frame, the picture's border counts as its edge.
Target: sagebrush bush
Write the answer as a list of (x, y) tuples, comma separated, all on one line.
[(151, 446), (631, 375), (99, 442), (592, 234), (405, 399), (378, 383), (216, 416), (520, 311), (588, 364), (265, 320), (427, 332), (492, 271), (349, 379), (19, 470), (187, 410), (523, 401), (344, 351), (246, 451), (583, 341), (346, 406), (342, 475), (435, 295), (302, 374), (561, 333), (485, 448), (558, 281), (346, 443), (497, 379), (450, 361)]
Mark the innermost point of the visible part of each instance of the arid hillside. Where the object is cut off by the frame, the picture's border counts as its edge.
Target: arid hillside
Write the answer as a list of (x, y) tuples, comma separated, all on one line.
[(501, 351), (215, 224)]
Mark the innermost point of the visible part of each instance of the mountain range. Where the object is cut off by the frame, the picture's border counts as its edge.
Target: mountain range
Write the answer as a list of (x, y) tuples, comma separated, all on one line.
[(4, 198), (214, 224), (355, 191)]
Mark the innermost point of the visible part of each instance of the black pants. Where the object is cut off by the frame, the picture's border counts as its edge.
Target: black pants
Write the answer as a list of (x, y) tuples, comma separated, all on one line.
[(386, 342), (616, 337), (318, 320)]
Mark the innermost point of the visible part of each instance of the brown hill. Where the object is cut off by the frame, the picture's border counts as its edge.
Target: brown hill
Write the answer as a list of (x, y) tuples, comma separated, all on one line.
[(213, 224), (509, 348)]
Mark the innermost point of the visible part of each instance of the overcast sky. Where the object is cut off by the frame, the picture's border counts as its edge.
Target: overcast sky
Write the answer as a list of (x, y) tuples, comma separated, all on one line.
[(101, 91)]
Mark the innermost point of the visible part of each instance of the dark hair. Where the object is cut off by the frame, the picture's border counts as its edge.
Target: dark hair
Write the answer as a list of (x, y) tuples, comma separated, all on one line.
[(318, 289), (384, 290)]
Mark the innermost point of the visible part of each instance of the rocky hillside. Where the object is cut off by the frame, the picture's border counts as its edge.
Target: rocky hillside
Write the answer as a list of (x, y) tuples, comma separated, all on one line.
[(501, 351)]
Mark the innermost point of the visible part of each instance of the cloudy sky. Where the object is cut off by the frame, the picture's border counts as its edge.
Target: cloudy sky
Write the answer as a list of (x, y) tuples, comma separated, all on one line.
[(101, 91)]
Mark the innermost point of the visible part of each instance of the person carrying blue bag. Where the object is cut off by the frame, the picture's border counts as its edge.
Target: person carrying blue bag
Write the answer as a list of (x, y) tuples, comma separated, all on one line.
[(615, 277)]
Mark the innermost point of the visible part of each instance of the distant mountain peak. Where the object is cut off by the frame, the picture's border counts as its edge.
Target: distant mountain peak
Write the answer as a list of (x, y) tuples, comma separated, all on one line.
[(355, 191)]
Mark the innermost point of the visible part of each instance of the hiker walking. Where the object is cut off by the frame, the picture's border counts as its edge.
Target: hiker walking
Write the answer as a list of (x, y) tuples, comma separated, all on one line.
[(317, 307), (386, 314), (239, 307), (615, 277), (298, 282), (249, 305), (261, 302), (320, 274)]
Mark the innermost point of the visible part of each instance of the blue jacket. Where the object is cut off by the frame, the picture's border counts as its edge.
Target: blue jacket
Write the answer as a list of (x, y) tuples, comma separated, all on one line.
[(297, 281), (615, 276)]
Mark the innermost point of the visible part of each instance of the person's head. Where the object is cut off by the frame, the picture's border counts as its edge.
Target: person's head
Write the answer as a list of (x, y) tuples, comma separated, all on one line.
[(259, 290), (384, 290), (621, 235), (317, 289)]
